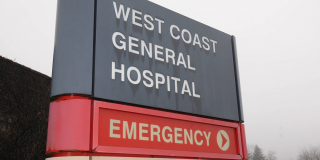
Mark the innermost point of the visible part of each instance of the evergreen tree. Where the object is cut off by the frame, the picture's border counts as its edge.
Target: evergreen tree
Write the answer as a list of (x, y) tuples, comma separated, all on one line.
[(257, 153)]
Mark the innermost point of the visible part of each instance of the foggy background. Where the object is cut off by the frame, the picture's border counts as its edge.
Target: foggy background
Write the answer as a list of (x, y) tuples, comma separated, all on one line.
[(278, 55)]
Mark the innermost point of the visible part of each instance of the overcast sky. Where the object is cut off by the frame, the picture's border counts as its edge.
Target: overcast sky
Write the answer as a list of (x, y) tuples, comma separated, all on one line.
[(278, 54)]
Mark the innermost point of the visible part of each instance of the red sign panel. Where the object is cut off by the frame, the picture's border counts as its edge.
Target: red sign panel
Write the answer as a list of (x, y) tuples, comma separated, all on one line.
[(132, 130)]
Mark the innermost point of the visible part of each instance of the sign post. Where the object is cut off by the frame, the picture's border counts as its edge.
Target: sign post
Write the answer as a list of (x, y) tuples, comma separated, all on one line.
[(133, 79)]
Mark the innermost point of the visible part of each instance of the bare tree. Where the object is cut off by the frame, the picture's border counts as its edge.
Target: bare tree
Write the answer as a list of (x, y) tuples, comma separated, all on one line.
[(271, 155), (313, 153), (250, 149)]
